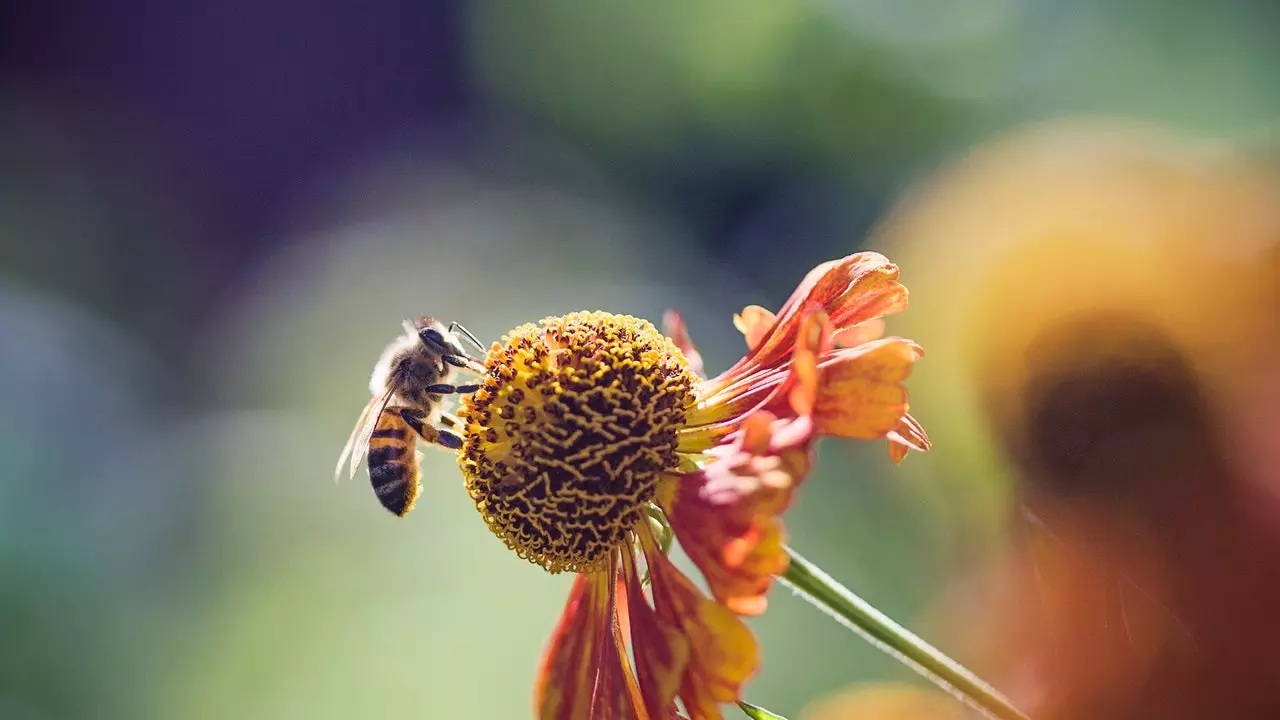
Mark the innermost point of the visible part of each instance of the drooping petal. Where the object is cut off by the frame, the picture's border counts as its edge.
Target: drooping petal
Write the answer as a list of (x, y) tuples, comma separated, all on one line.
[(851, 290), (737, 557), (661, 650), (860, 392), (673, 326), (567, 680), (723, 652), (726, 515), (857, 288), (908, 435), (754, 322), (616, 696)]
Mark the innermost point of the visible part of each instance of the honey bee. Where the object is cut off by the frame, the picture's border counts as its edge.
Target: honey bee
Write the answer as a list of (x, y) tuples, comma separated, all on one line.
[(413, 377)]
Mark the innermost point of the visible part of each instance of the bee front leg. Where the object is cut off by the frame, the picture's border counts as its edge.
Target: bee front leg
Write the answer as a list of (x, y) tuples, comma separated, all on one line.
[(465, 361), (446, 389), (443, 437)]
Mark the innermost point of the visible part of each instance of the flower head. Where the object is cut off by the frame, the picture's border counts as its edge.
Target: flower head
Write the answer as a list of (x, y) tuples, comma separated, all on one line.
[(594, 434)]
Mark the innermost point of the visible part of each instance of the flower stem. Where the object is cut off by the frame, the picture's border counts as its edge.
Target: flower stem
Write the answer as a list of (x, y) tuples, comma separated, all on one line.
[(820, 589)]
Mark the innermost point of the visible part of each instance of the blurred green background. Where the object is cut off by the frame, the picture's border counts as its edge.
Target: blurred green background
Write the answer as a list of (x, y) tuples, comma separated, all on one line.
[(213, 218)]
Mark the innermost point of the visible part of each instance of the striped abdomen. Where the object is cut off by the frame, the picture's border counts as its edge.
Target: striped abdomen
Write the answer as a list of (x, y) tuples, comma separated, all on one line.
[(393, 467)]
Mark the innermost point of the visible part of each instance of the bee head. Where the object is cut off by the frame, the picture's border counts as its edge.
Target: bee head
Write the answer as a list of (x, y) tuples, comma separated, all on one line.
[(432, 333)]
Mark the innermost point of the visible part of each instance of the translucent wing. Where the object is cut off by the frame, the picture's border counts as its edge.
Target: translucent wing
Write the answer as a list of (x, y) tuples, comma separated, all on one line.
[(358, 443)]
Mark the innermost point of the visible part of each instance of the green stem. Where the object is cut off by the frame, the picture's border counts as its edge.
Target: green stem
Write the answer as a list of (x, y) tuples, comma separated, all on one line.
[(820, 589)]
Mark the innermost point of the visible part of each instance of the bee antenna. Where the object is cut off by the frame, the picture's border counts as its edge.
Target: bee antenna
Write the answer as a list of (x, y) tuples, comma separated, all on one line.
[(458, 328)]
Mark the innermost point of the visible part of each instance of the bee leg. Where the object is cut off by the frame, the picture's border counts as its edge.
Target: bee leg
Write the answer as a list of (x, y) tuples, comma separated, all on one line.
[(450, 421), (465, 361), (430, 434), (446, 389)]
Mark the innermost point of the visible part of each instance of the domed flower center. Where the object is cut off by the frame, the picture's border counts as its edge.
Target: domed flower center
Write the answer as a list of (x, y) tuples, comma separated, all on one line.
[(573, 429)]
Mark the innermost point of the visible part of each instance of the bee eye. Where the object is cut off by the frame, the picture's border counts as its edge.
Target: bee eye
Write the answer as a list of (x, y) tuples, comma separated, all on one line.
[(432, 338)]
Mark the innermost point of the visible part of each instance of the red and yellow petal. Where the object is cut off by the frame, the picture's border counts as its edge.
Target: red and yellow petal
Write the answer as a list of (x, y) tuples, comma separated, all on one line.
[(661, 650), (723, 654), (870, 290), (863, 332), (737, 556), (908, 435), (616, 696), (789, 390), (673, 326), (856, 288), (725, 515), (851, 290), (571, 683), (814, 339), (860, 392), (754, 322)]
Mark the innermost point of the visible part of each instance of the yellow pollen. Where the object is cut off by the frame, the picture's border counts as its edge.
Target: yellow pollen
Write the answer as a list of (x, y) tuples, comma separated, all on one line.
[(575, 426)]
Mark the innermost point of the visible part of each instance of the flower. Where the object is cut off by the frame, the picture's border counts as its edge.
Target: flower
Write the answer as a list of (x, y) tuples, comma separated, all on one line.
[(1106, 294), (594, 437)]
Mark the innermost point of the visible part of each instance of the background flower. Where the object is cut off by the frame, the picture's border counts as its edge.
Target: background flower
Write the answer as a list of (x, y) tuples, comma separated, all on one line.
[(1111, 304)]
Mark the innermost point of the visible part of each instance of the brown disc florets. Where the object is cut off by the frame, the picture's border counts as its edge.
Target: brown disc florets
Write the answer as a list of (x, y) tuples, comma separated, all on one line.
[(575, 426)]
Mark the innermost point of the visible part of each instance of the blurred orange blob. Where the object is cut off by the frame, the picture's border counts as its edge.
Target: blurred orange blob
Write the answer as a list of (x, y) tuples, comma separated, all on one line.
[(1112, 294), (886, 701)]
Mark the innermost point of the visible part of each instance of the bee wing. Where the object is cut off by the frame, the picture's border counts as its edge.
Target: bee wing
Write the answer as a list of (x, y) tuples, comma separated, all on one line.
[(358, 443)]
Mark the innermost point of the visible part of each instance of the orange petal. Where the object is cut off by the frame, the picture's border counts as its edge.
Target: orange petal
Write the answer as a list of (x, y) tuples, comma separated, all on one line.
[(861, 333), (754, 322), (613, 696), (566, 685), (787, 390), (861, 287), (661, 651), (797, 381), (814, 337), (723, 652), (740, 564), (851, 290), (908, 435), (860, 391), (725, 515), (673, 326)]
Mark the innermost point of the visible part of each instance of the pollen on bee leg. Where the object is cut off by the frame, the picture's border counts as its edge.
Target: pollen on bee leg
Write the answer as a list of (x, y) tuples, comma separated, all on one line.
[(443, 437), (575, 427), (450, 439)]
